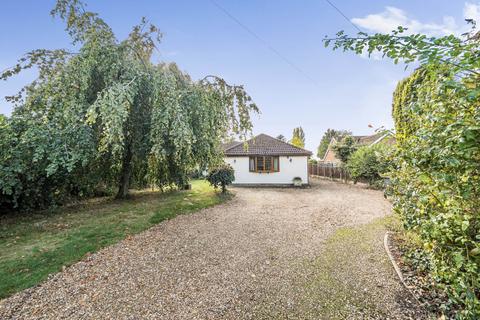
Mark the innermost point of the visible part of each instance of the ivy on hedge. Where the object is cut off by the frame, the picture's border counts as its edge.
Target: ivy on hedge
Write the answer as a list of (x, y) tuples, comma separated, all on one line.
[(436, 185)]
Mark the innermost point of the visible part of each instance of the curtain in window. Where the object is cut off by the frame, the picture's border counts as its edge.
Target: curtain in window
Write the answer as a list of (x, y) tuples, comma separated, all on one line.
[(252, 164), (275, 164)]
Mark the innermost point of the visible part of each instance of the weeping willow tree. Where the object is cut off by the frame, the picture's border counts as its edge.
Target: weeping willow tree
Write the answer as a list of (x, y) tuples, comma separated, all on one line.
[(105, 117)]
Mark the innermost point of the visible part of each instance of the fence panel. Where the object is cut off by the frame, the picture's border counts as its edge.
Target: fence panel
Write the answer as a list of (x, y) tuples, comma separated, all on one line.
[(328, 170)]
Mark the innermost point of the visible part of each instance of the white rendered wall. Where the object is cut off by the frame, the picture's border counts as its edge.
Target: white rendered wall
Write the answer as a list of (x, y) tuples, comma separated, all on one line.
[(297, 167)]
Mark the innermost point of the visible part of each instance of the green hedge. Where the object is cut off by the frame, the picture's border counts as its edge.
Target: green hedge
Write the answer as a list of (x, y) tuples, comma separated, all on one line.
[(369, 164), (436, 185)]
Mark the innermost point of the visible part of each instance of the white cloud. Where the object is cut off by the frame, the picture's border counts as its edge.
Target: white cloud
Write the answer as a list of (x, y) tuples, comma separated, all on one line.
[(392, 17), (472, 11)]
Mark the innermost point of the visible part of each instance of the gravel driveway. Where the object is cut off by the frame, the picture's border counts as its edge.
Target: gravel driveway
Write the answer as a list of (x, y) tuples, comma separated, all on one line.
[(246, 259)]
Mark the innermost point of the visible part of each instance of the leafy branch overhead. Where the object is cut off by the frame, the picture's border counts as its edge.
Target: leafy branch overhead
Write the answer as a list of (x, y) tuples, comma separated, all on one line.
[(106, 117), (461, 54)]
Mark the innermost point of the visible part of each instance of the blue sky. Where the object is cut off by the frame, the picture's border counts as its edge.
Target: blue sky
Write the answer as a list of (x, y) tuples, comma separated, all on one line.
[(334, 90)]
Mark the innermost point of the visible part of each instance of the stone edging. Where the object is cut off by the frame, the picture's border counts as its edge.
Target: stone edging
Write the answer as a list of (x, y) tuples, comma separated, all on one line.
[(396, 267), (392, 259)]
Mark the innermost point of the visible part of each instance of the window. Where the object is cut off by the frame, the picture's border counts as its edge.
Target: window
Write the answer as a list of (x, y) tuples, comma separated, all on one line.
[(264, 164), (260, 164), (268, 164), (276, 164), (252, 164)]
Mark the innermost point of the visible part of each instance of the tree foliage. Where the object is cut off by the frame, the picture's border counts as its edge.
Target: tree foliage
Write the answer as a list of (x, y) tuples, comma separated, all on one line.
[(370, 164), (327, 137), (436, 179), (221, 176), (106, 117), (439, 144), (345, 148), (298, 137), (460, 54)]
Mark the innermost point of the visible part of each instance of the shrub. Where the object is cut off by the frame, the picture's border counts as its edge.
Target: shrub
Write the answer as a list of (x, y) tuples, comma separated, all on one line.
[(436, 182), (221, 176), (345, 148), (369, 164), (436, 179)]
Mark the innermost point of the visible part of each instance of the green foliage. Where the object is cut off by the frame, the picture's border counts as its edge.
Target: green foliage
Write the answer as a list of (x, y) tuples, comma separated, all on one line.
[(435, 184), (327, 137), (370, 164), (106, 117), (344, 148), (221, 176), (298, 137), (459, 54), (440, 146), (297, 142), (404, 97)]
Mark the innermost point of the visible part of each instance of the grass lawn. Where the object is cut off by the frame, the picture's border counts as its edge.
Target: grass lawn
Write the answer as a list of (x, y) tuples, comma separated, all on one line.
[(36, 245)]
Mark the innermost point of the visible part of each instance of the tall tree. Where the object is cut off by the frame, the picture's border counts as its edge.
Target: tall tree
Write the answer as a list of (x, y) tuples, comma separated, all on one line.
[(107, 116), (327, 137), (298, 137)]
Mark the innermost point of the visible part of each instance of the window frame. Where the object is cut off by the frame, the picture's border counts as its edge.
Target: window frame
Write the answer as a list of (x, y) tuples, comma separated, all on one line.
[(264, 158)]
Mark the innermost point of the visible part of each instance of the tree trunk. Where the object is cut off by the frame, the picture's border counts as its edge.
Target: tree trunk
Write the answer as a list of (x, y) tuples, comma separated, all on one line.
[(124, 182)]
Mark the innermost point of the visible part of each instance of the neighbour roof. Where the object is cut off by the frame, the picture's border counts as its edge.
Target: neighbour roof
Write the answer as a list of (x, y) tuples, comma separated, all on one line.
[(368, 140), (264, 145)]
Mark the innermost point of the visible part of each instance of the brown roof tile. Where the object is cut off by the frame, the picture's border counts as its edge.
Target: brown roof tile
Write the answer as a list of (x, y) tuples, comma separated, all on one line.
[(265, 145)]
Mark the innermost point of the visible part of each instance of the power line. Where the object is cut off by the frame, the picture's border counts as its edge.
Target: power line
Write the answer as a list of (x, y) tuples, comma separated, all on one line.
[(343, 15), (264, 42)]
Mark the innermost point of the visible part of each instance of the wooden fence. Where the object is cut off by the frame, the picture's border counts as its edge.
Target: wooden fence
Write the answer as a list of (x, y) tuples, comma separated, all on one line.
[(328, 170)]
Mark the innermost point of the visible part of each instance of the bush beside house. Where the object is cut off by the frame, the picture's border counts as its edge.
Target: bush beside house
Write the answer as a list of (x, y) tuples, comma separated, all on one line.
[(344, 149), (364, 163), (370, 164), (221, 176)]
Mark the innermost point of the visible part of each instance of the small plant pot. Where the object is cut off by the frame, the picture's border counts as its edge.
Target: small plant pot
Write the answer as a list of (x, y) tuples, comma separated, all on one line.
[(297, 182)]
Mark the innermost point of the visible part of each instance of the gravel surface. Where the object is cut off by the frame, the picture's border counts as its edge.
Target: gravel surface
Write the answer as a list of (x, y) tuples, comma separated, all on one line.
[(249, 258)]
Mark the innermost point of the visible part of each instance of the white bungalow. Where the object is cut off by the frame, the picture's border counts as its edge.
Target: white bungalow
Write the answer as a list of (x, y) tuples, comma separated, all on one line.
[(264, 160)]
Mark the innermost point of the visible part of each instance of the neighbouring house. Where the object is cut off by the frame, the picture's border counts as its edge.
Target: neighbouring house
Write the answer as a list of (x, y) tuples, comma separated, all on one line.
[(264, 160), (382, 137)]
